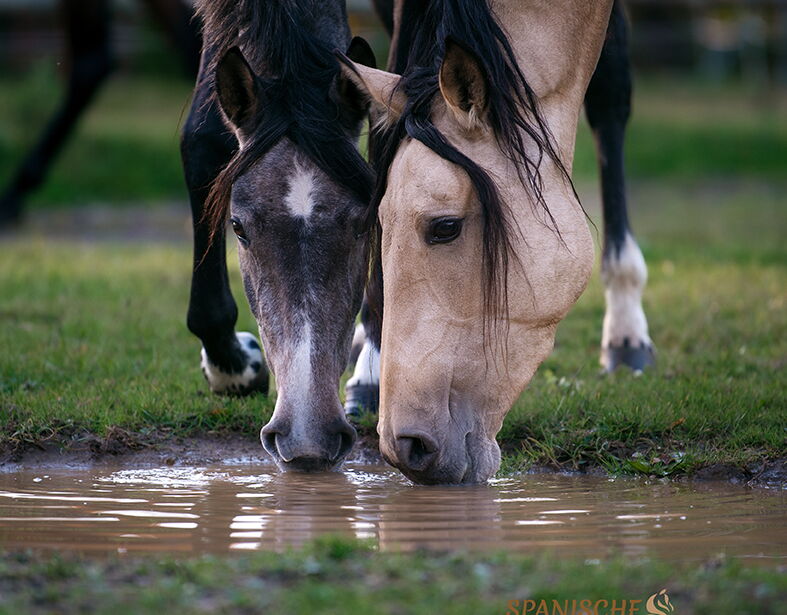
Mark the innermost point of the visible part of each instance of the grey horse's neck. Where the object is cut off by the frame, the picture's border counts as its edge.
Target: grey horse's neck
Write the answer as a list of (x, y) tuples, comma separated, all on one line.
[(328, 19)]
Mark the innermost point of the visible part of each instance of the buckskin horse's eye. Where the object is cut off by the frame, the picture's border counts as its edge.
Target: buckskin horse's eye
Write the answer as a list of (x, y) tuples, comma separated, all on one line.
[(237, 228), (443, 230)]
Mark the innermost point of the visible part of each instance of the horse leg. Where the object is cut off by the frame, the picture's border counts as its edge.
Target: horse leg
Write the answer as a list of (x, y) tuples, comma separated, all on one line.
[(625, 339), (177, 19), (385, 11), (88, 33), (362, 393), (232, 363)]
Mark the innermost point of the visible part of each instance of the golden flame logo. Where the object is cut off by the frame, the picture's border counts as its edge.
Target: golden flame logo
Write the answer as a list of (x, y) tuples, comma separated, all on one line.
[(659, 604)]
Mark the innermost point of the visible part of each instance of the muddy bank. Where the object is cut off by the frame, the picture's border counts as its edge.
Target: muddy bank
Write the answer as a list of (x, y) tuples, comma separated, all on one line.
[(127, 449)]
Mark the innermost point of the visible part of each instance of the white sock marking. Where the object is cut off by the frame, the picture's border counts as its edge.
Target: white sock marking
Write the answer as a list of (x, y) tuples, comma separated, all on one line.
[(624, 280), (367, 368), (222, 382)]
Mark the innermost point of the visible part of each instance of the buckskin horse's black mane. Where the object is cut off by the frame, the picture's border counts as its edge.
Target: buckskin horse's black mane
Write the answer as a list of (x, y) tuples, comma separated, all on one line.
[(299, 77), (512, 113)]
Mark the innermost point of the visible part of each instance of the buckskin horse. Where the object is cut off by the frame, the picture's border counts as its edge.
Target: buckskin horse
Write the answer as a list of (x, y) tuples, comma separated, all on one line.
[(482, 245)]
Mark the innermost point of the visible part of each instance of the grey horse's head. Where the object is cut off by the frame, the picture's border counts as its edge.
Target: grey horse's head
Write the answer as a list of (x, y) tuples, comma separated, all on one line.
[(298, 196)]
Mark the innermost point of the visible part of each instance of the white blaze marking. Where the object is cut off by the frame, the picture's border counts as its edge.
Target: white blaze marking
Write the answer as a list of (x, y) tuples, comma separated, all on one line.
[(299, 379), (301, 363), (299, 199), (367, 369), (624, 280)]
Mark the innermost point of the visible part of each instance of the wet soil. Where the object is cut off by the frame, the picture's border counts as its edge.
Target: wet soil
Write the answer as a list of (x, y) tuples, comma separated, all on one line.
[(126, 449)]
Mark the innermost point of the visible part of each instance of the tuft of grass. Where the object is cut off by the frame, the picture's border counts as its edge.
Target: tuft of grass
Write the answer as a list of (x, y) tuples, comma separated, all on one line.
[(349, 578)]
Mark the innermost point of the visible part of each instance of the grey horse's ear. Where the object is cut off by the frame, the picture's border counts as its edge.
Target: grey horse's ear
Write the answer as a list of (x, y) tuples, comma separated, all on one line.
[(377, 85), (353, 101), (360, 52), (237, 89), (463, 84)]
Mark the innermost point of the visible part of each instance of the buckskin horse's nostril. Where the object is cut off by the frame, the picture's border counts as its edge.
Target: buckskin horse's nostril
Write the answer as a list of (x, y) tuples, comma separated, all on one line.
[(416, 451)]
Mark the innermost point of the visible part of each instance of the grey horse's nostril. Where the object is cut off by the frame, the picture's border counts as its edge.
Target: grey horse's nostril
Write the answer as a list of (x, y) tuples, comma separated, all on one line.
[(268, 436), (320, 452), (417, 451), (346, 439)]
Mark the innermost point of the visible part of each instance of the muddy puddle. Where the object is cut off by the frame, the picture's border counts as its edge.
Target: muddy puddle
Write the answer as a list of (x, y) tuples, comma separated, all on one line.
[(219, 509)]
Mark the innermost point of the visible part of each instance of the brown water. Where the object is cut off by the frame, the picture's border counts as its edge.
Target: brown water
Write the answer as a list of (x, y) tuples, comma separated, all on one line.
[(218, 509)]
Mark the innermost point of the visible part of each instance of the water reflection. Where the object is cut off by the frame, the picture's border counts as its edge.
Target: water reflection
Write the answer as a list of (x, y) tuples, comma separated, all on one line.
[(221, 509)]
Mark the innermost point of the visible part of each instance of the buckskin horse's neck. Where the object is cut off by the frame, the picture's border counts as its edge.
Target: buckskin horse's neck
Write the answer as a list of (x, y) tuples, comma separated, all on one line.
[(557, 45)]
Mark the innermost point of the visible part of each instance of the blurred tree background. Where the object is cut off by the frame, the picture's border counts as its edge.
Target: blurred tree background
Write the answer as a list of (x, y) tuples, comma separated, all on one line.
[(710, 100)]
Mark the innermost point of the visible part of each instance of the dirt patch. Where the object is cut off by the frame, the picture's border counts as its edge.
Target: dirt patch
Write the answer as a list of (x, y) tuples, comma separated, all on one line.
[(129, 449)]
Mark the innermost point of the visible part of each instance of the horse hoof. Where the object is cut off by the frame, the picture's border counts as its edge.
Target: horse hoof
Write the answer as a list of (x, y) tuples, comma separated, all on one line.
[(252, 378), (361, 399), (635, 357)]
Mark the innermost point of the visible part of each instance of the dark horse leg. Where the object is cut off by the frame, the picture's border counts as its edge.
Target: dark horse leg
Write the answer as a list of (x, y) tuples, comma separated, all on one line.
[(88, 35), (87, 25), (362, 392), (232, 363), (625, 339), (177, 20)]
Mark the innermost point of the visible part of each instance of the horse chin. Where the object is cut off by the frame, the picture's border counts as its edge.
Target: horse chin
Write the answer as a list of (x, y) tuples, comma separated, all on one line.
[(484, 456), (308, 466)]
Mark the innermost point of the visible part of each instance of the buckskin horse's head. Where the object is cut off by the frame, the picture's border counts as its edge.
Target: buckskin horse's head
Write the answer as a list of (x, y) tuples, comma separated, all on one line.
[(483, 245)]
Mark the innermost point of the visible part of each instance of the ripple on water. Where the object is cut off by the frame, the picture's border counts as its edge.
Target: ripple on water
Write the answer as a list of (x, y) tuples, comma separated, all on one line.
[(244, 507)]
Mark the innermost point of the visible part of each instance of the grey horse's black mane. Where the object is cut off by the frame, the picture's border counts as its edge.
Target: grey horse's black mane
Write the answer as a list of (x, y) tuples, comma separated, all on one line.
[(512, 112), (299, 77)]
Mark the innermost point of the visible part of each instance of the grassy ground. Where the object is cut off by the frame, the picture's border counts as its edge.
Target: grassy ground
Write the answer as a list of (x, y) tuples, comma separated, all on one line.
[(98, 342), (126, 148), (345, 578), (97, 345)]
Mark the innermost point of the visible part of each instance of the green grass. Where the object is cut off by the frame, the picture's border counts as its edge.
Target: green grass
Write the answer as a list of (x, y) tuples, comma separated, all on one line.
[(96, 344), (93, 338), (347, 578), (716, 301), (98, 339), (126, 148)]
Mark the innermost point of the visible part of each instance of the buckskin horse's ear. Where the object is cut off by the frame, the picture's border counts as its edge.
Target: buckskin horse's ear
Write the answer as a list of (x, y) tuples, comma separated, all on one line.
[(377, 85), (237, 89), (463, 84), (352, 100)]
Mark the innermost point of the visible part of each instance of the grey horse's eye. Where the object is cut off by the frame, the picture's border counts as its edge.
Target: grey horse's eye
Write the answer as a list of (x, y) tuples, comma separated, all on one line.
[(237, 228), (443, 230)]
